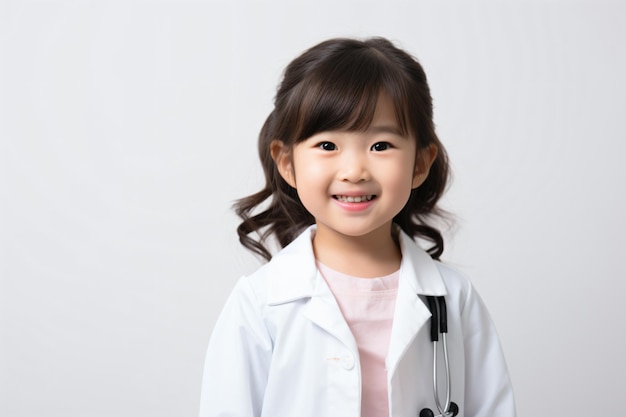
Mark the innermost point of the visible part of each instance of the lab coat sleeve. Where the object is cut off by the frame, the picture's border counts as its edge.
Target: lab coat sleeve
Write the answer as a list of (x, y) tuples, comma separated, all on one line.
[(238, 358), (488, 390)]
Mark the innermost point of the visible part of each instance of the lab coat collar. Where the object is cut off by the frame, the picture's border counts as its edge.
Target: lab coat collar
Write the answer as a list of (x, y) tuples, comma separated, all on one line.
[(294, 275)]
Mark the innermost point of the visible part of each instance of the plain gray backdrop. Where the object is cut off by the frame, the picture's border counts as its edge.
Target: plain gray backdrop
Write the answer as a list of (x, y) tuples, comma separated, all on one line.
[(127, 128)]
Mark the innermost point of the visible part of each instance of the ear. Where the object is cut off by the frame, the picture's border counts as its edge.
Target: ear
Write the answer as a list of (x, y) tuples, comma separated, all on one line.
[(282, 158), (423, 162)]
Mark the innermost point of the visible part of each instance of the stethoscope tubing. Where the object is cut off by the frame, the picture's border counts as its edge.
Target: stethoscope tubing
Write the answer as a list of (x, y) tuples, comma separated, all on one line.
[(443, 410), (439, 326)]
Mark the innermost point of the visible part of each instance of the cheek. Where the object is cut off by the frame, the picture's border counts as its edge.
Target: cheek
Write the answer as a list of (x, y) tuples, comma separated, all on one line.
[(400, 180), (402, 187), (402, 170), (309, 170)]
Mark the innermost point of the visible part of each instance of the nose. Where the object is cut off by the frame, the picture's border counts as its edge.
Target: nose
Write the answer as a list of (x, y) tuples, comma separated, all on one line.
[(353, 168)]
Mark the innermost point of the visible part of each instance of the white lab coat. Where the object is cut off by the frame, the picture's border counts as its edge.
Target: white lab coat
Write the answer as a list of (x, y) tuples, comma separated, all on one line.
[(281, 347)]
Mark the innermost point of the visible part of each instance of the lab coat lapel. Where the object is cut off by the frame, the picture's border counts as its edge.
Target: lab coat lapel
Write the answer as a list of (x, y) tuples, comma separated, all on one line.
[(411, 314), (419, 275), (294, 276), (324, 311)]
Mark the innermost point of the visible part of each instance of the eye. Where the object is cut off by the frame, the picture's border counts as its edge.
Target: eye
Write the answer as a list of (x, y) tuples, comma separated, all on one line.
[(380, 146), (327, 146)]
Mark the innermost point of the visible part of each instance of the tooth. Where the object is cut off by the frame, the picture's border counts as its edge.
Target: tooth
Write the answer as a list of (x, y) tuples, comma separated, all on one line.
[(357, 199)]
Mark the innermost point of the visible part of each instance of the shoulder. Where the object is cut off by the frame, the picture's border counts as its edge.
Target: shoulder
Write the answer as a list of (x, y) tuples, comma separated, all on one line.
[(464, 298), (458, 287), (255, 285), (430, 277), (291, 274), (453, 278)]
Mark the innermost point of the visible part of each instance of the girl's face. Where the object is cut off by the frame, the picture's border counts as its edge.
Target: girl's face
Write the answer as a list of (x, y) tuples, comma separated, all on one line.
[(355, 182)]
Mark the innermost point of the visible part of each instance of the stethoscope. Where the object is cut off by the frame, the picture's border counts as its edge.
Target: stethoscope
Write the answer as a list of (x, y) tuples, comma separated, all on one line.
[(439, 325)]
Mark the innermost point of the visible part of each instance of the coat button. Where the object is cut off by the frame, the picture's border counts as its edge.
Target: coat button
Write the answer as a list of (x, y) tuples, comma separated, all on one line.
[(347, 362)]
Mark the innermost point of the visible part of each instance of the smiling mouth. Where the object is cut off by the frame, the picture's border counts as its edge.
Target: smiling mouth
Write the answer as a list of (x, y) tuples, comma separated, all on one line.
[(354, 199)]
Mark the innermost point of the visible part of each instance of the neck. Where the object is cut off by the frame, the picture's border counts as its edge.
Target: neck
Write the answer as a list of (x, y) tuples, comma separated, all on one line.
[(373, 255)]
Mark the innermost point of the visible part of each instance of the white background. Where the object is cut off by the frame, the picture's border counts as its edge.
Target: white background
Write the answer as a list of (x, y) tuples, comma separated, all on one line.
[(128, 128)]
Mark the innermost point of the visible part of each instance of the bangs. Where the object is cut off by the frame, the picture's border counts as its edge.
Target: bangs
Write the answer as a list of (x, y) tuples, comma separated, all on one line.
[(342, 93)]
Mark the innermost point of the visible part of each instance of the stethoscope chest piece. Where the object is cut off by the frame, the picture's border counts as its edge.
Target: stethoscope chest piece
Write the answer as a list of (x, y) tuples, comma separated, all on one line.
[(439, 326), (452, 411)]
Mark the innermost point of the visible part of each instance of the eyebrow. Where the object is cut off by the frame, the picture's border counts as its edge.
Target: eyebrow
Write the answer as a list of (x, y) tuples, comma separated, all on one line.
[(385, 129)]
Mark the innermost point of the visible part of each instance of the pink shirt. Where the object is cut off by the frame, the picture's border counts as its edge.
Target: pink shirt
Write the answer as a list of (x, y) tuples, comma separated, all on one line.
[(368, 305)]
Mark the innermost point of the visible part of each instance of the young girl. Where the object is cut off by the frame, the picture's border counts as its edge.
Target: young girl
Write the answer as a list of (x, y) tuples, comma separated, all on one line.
[(339, 322)]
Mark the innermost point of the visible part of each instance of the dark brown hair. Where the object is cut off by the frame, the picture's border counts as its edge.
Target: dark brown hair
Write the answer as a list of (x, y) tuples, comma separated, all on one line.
[(335, 85)]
